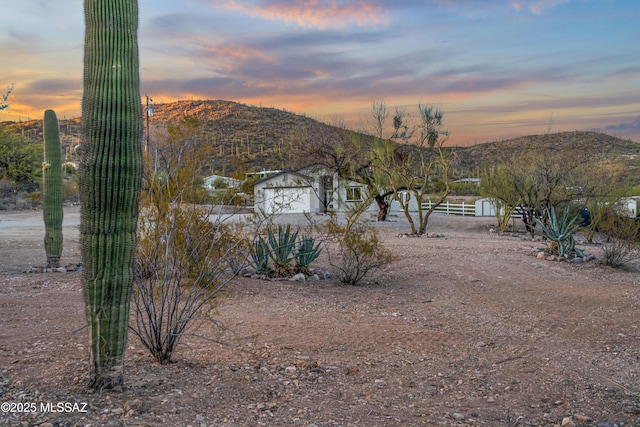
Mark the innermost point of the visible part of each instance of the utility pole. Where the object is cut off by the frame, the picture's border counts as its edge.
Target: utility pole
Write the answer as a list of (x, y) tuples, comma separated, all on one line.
[(149, 112)]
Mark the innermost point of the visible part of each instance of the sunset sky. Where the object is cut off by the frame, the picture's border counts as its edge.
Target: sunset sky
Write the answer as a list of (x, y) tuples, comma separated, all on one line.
[(497, 68)]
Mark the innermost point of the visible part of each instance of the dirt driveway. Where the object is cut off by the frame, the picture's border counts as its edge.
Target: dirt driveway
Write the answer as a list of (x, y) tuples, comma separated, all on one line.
[(465, 330)]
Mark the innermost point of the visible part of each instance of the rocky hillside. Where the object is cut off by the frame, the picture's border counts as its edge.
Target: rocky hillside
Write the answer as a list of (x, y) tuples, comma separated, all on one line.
[(253, 138), (599, 146)]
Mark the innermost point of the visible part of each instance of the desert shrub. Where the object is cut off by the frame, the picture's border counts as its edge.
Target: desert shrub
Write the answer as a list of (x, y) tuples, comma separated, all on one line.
[(187, 251), (71, 191), (183, 262), (360, 251), (618, 235), (559, 232), (465, 189), (33, 199)]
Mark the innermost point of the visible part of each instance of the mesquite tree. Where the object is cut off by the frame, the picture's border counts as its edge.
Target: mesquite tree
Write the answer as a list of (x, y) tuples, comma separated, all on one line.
[(52, 189), (110, 179)]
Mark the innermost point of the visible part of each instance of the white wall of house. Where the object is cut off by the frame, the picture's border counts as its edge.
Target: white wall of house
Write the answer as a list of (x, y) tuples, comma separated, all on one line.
[(395, 205), (306, 190)]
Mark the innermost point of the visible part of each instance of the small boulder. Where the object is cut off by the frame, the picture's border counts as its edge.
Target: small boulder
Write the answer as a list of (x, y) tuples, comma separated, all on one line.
[(298, 278)]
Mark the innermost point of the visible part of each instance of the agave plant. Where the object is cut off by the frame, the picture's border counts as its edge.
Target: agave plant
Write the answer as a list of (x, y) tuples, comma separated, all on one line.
[(560, 233), (307, 252), (282, 249), (260, 255)]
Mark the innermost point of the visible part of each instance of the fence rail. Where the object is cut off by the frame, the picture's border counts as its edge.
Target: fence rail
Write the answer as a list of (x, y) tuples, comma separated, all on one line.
[(464, 209)]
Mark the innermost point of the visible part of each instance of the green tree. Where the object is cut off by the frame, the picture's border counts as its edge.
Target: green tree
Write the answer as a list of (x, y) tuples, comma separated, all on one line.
[(20, 159), (110, 180), (499, 188), (539, 178)]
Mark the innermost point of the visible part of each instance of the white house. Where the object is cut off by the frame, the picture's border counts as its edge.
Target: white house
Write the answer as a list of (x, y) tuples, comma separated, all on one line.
[(311, 190)]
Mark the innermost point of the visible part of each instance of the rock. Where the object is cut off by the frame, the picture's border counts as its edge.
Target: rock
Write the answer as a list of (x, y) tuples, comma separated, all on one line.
[(568, 422), (132, 407), (576, 260), (583, 418), (290, 369), (551, 258), (457, 416), (540, 255), (60, 270), (298, 278), (246, 272), (314, 278), (117, 411), (326, 275), (71, 267)]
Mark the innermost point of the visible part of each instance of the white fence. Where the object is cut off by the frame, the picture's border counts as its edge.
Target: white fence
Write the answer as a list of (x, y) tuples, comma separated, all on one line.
[(464, 209), (481, 207)]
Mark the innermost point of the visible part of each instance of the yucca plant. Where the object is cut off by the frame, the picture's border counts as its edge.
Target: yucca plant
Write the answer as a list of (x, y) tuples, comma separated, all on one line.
[(560, 233), (282, 248), (307, 252), (260, 256)]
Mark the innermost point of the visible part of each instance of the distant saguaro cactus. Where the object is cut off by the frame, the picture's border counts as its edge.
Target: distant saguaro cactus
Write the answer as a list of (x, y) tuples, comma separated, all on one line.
[(52, 189), (110, 180)]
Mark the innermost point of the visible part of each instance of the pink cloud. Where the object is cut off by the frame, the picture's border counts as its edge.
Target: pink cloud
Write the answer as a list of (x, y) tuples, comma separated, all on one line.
[(536, 6), (316, 13)]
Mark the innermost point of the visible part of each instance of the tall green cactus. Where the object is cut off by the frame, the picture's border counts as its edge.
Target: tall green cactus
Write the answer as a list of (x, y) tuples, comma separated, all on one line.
[(52, 189), (110, 179)]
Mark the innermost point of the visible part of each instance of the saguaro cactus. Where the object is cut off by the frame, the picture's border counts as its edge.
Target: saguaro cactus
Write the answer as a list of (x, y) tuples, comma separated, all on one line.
[(110, 179), (52, 189)]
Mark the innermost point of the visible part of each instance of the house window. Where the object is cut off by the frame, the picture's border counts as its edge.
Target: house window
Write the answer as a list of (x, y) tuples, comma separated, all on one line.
[(354, 194)]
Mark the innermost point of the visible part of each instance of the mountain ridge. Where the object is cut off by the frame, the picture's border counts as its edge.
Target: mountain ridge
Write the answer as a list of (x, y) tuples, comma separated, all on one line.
[(253, 138)]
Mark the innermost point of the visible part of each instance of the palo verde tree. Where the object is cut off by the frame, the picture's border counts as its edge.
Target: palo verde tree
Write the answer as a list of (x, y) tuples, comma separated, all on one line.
[(110, 180), (415, 169), (542, 175)]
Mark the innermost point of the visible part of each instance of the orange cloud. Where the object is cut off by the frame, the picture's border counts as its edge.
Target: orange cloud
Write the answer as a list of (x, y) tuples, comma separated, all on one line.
[(237, 51), (316, 13)]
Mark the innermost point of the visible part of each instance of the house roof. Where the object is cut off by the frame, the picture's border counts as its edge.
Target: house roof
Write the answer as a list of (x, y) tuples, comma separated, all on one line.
[(270, 177)]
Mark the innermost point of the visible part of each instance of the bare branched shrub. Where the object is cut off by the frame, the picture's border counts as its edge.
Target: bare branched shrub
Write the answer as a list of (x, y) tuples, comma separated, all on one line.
[(183, 263), (360, 251), (187, 252), (618, 237)]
